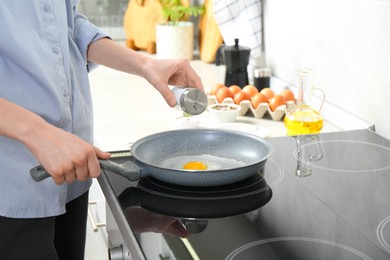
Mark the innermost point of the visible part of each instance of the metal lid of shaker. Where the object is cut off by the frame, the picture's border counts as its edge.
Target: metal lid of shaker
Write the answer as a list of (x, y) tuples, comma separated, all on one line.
[(191, 100)]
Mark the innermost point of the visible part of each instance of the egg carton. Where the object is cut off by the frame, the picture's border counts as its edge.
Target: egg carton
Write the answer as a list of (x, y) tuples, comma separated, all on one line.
[(258, 112)]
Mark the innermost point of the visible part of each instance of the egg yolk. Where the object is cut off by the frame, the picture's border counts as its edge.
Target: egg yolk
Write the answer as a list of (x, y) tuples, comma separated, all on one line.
[(195, 166)]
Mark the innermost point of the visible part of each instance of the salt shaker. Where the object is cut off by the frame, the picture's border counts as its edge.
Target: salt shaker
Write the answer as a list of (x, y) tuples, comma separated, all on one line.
[(191, 100)]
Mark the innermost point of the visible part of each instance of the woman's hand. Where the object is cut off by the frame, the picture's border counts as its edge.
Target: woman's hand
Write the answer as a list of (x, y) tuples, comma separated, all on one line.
[(175, 72), (65, 156), (159, 73)]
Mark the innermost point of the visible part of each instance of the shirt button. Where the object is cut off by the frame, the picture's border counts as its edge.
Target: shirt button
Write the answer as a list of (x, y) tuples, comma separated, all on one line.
[(46, 7), (56, 50)]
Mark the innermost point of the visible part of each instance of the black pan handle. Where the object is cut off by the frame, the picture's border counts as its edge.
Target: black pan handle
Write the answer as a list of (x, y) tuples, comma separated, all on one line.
[(130, 170)]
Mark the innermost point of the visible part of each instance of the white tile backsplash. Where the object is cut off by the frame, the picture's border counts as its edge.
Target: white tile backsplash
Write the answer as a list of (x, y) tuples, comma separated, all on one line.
[(347, 43)]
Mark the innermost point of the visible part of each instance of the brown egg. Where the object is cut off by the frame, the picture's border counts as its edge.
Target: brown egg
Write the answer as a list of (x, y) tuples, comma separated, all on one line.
[(215, 88), (276, 101), (223, 93), (250, 89), (235, 89), (269, 93), (241, 96), (257, 99), (288, 95)]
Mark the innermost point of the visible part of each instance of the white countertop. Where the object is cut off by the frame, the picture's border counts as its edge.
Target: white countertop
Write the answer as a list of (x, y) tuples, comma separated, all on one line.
[(127, 108)]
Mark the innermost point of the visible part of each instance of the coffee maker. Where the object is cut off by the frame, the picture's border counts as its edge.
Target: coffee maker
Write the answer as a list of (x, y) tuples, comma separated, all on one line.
[(236, 59)]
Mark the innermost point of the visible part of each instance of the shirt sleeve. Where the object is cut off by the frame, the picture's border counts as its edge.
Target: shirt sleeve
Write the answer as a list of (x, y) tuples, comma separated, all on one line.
[(86, 33)]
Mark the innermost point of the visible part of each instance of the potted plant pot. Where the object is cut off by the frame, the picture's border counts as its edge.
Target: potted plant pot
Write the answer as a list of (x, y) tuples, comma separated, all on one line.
[(175, 40), (175, 37)]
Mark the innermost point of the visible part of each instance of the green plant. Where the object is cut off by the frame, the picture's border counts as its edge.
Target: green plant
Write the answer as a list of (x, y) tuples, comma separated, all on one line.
[(175, 10)]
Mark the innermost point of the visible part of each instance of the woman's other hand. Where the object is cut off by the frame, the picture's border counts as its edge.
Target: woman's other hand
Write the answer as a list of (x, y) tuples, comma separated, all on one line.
[(65, 156)]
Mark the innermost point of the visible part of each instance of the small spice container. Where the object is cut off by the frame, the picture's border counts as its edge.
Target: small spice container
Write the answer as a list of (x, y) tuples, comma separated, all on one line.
[(262, 78), (224, 112)]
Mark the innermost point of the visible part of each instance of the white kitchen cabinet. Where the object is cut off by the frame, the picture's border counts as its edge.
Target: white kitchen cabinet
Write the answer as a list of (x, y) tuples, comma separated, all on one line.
[(96, 242)]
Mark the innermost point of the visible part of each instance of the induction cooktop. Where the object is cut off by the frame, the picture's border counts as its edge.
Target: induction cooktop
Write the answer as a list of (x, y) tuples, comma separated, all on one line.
[(323, 196)]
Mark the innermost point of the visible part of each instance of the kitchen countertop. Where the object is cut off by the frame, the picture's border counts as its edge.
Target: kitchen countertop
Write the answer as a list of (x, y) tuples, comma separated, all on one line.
[(127, 107)]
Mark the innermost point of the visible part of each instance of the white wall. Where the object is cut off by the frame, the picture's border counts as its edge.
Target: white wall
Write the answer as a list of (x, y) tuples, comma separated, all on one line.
[(347, 43)]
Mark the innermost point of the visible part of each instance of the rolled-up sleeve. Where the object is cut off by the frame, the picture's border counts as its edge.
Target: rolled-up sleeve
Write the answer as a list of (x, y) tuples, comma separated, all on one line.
[(86, 33)]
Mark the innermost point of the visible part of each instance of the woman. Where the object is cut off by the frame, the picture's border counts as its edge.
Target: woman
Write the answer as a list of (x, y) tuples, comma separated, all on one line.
[(46, 51)]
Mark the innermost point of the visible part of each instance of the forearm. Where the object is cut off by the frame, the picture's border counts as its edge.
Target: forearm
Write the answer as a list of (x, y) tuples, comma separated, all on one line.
[(159, 73), (17, 122), (64, 155), (111, 54)]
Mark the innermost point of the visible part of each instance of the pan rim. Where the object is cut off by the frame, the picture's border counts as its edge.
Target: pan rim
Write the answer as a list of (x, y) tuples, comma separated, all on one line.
[(217, 171)]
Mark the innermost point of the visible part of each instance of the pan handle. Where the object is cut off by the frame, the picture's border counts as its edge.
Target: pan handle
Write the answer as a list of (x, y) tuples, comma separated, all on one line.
[(39, 173), (129, 170)]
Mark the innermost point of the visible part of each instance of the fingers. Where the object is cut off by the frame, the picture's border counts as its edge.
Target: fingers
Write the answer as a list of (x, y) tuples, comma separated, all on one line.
[(100, 154), (174, 72), (70, 172), (193, 79), (62, 173), (168, 96), (58, 179), (183, 75), (81, 173), (80, 168), (166, 93), (65, 156)]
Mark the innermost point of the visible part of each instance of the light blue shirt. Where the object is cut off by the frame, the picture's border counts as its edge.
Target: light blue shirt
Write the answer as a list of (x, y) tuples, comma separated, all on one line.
[(43, 67)]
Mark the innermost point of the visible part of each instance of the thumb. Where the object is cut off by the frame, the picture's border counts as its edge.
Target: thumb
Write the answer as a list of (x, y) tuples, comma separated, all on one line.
[(167, 95), (170, 98), (101, 155)]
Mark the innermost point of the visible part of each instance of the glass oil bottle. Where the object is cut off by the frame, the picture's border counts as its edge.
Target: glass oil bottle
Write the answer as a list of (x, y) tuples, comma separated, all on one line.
[(304, 119)]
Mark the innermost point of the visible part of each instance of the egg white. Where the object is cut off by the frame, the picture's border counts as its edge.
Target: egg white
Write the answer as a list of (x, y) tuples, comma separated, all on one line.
[(211, 161)]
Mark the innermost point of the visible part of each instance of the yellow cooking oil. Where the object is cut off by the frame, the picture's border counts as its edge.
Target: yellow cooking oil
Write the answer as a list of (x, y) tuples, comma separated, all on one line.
[(303, 120)]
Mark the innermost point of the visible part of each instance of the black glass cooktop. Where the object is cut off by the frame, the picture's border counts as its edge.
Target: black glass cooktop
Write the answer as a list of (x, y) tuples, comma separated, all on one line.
[(325, 196)]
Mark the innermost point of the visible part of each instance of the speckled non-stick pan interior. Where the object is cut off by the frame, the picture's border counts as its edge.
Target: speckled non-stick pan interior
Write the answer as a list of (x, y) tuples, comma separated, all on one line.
[(154, 149)]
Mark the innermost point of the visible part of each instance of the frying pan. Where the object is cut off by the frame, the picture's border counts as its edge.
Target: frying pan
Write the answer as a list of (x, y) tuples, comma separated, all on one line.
[(149, 152)]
